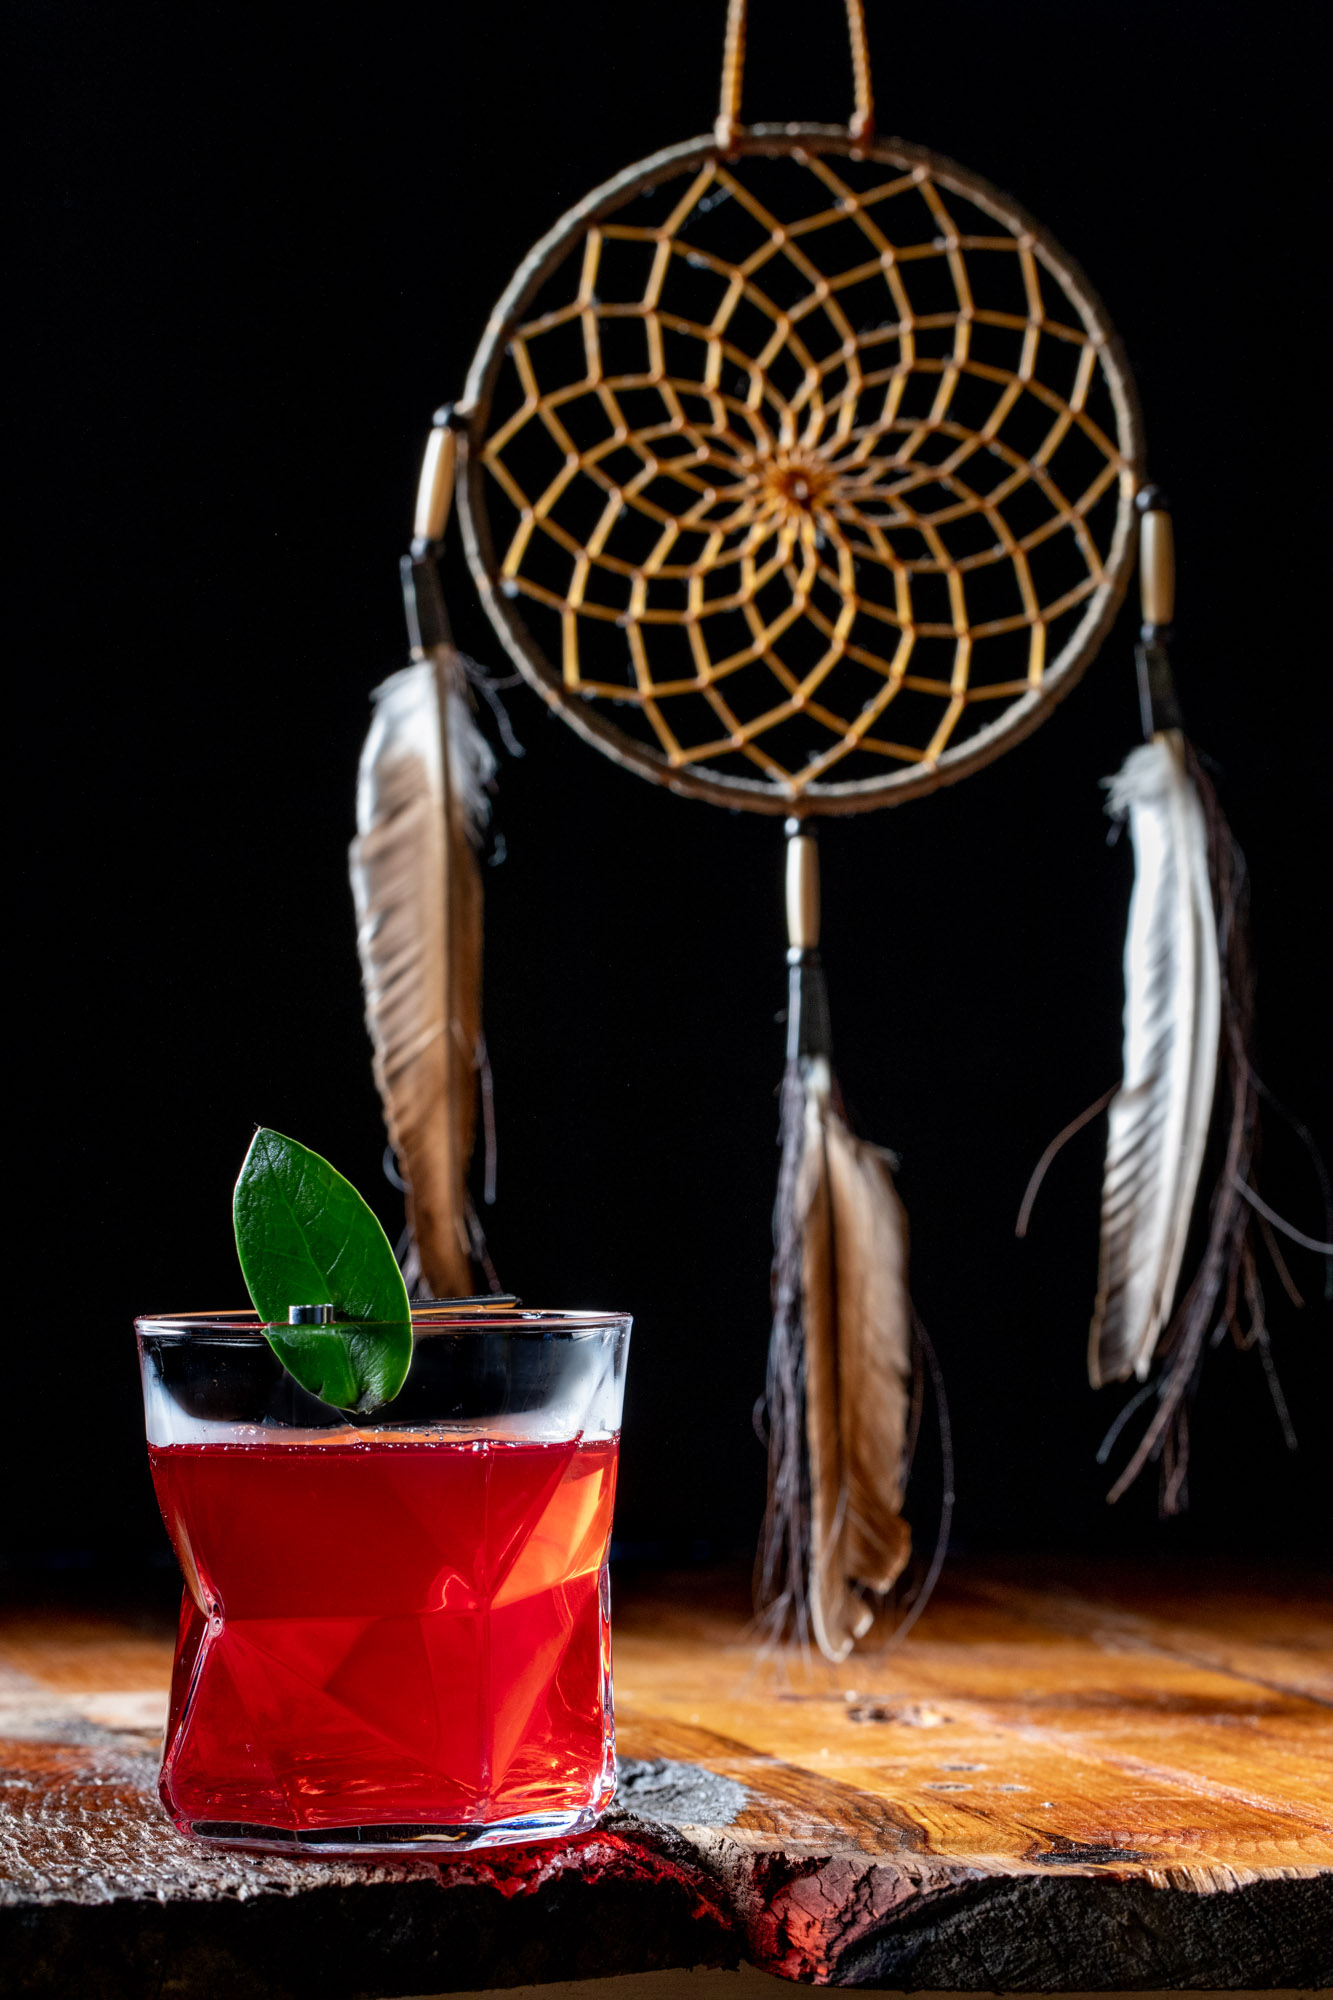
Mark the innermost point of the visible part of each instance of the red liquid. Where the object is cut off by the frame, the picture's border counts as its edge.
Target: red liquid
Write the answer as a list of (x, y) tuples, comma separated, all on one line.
[(384, 1634)]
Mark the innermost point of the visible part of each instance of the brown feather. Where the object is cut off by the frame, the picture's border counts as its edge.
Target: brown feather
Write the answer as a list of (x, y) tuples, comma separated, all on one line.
[(421, 805), (858, 1370), (834, 1620), (874, 1353)]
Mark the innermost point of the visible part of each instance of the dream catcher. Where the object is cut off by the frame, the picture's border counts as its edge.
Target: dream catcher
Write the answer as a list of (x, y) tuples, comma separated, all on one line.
[(797, 473)]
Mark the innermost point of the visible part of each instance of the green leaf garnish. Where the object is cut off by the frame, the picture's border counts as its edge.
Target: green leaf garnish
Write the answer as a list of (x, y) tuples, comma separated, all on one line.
[(306, 1238), (354, 1366)]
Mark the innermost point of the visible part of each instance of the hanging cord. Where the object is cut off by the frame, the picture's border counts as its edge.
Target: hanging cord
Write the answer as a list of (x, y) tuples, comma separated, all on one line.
[(861, 124), (733, 69)]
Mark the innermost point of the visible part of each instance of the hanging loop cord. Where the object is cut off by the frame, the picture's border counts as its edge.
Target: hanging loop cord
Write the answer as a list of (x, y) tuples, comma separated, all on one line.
[(861, 124)]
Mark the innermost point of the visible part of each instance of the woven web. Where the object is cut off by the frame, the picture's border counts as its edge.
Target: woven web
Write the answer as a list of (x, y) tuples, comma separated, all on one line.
[(807, 466)]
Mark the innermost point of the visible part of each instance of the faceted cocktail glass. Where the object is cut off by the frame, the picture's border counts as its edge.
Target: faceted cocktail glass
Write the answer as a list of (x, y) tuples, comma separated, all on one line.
[(395, 1629)]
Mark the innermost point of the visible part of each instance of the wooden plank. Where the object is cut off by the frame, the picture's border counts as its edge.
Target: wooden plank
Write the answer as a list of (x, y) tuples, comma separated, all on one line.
[(1061, 1782), (998, 1730), (1285, 1643)]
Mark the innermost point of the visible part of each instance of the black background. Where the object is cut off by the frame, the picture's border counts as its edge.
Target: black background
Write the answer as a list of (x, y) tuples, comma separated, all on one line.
[(257, 247)]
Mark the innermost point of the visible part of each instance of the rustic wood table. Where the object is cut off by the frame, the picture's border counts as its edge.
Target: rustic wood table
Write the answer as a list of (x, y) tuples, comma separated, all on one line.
[(1064, 1781)]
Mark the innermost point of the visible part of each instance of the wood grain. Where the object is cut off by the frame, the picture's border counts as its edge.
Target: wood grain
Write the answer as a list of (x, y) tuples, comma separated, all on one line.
[(1064, 1781)]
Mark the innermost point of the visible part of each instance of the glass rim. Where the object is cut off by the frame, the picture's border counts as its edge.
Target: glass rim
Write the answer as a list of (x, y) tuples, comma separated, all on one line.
[(429, 1316)]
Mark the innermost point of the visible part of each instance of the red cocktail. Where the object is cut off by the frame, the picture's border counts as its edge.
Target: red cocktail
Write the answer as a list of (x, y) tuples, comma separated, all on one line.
[(393, 1632)]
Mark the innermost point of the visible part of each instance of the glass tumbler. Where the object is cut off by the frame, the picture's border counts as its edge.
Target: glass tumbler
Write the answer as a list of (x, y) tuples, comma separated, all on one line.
[(395, 1629)]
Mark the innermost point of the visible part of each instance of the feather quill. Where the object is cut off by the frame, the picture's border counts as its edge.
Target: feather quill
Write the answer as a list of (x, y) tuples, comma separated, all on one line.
[(1159, 1117), (422, 806)]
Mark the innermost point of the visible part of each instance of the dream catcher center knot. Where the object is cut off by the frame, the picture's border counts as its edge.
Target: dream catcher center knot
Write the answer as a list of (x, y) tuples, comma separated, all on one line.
[(794, 486)]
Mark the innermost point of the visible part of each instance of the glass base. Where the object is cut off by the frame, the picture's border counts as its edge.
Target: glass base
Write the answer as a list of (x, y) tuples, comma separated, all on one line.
[(394, 1842)]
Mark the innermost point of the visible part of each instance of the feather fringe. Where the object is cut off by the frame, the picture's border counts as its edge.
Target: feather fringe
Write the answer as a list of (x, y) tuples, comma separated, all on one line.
[(1159, 1117), (422, 807), (840, 1376)]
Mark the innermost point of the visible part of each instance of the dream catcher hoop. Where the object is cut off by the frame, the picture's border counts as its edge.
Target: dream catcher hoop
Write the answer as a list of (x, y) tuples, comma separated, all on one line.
[(800, 466), (799, 474)]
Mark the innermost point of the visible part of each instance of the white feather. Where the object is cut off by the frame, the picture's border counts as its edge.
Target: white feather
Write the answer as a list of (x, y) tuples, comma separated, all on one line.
[(1158, 1125)]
